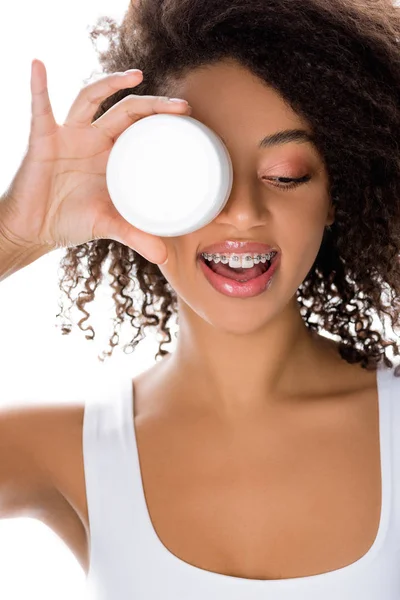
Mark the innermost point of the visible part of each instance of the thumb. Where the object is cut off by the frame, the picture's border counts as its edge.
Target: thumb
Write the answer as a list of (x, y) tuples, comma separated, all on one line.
[(151, 247)]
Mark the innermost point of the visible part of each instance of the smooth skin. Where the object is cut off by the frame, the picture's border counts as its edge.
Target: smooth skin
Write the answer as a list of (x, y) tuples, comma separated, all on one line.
[(259, 446), (59, 197)]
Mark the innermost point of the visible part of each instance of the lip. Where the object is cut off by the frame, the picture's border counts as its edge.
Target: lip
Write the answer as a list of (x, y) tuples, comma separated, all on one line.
[(230, 246), (235, 289)]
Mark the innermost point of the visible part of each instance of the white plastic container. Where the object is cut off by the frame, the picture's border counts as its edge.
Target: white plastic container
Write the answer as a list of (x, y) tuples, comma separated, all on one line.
[(169, 175)]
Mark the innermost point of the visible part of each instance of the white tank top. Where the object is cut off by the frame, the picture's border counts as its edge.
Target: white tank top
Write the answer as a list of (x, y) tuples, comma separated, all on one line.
[(128, 561)]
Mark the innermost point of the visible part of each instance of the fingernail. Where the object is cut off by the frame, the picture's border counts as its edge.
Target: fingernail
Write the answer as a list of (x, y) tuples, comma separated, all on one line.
[(177, 100)]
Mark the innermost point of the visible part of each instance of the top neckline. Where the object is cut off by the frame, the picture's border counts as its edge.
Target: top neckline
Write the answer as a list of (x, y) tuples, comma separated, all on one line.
[(383, 380)]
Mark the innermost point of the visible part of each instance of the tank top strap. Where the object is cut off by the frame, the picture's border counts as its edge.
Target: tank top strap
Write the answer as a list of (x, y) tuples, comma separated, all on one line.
[(117, 520), (390, 402)]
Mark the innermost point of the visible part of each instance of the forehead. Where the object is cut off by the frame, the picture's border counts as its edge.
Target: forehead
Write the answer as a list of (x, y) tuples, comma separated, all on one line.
[(228, 97), (227, 80)]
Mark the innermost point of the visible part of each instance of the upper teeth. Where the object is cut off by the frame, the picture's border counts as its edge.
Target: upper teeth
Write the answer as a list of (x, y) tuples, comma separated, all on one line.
[(240, 261)]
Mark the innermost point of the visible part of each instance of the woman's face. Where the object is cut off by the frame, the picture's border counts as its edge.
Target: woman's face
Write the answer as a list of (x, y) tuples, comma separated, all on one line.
[(242, 110)]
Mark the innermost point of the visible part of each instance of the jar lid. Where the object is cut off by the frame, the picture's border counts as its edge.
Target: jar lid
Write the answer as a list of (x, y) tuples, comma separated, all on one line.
[(169, 175)]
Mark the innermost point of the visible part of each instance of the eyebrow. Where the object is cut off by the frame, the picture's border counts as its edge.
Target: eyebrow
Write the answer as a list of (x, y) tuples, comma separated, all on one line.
[(287, 136), (300, 136)]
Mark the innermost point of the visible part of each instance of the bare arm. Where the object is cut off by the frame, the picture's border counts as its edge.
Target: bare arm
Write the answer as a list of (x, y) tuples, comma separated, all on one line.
[(23, 480), (14, 258), (33, 440), (42, 473), (16, 254)]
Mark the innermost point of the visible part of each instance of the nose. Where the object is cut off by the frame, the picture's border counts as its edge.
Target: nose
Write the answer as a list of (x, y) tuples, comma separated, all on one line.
[(245, 207)]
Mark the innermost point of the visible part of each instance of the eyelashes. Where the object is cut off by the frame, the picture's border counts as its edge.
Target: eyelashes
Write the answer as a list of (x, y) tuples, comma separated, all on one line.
[(293, 183)]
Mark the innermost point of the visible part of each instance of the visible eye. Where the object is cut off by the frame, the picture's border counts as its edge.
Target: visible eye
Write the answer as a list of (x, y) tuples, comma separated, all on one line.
[(292, 182)]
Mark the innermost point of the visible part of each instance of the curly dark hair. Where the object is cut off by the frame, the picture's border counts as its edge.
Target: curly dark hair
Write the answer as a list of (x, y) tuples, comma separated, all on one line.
[(342, 74)]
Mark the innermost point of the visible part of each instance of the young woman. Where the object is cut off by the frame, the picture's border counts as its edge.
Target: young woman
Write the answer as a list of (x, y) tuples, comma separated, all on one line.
[(261, 458)]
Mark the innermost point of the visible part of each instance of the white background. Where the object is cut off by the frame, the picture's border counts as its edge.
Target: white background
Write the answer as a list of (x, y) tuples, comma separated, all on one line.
[(38, 364)]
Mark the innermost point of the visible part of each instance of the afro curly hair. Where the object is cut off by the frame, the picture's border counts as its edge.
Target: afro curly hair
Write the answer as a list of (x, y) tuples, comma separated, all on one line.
[(342, 74)]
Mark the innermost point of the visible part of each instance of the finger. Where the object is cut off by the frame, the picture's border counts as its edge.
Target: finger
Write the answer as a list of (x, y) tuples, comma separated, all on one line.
[(90, 97), (117, 228), (43, 122), (132, 108)]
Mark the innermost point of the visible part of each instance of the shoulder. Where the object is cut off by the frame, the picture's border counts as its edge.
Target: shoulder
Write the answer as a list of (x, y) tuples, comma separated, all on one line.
[(34, 444), (41, 470)]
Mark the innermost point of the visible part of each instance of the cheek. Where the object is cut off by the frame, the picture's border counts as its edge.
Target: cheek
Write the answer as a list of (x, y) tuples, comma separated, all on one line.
[(299, 233)]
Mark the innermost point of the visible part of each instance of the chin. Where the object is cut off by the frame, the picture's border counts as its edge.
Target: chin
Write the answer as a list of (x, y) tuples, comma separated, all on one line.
[(235, 319)]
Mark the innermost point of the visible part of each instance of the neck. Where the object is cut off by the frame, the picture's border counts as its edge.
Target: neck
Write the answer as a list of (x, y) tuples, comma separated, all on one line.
[(235, 375)]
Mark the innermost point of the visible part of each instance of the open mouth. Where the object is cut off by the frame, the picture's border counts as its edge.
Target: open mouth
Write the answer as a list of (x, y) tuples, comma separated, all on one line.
[(241, 275)]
